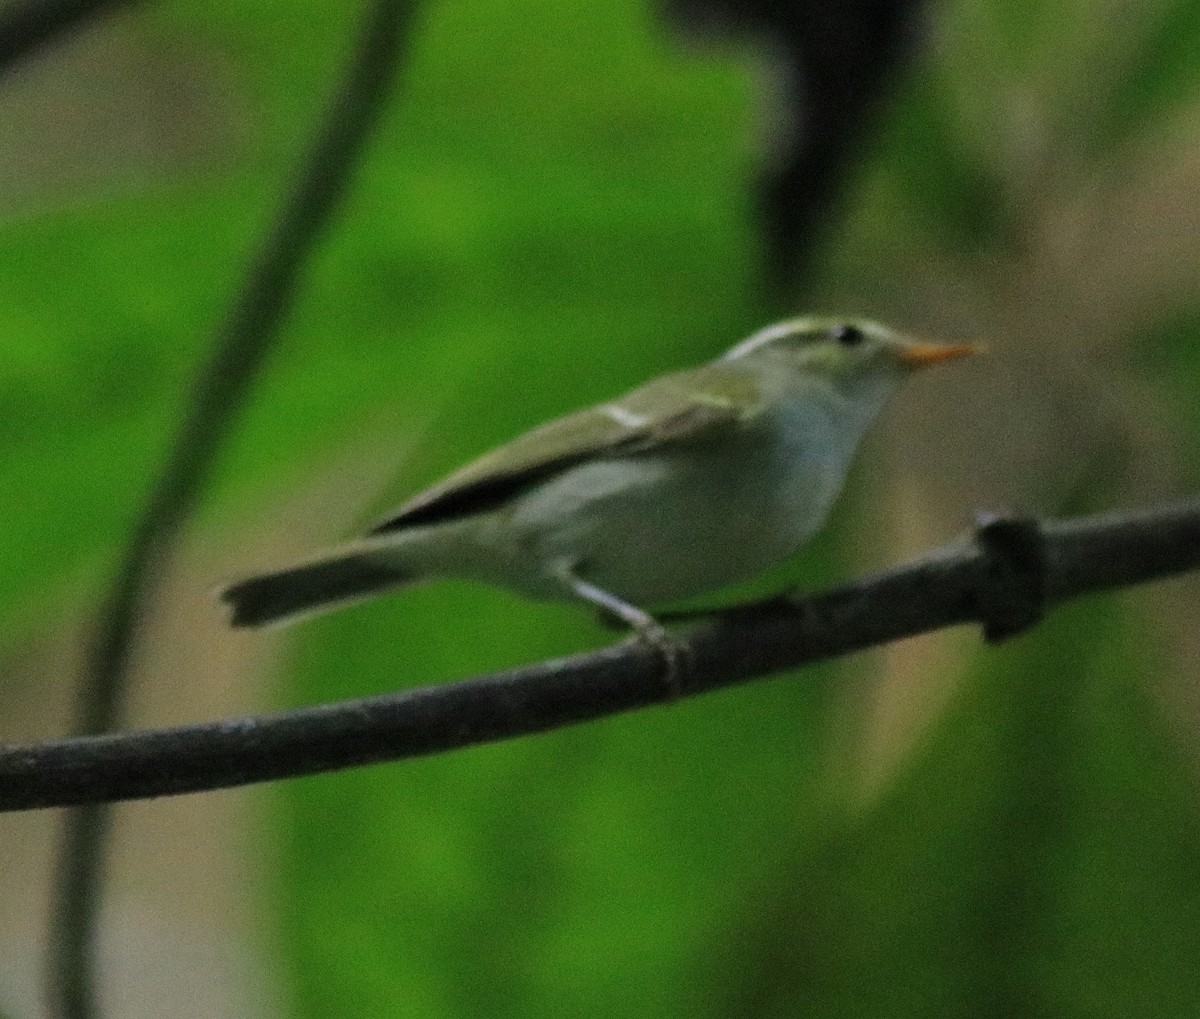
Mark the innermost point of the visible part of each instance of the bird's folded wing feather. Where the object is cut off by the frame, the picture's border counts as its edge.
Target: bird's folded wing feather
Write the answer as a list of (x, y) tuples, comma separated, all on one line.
[(689, 406)]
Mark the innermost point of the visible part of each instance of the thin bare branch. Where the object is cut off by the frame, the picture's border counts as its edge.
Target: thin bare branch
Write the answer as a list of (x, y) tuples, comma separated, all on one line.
[(242, 344), (1004, 577)]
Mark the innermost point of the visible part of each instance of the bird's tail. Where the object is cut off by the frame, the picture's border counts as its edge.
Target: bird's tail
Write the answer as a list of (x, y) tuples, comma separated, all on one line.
[(343, 576)]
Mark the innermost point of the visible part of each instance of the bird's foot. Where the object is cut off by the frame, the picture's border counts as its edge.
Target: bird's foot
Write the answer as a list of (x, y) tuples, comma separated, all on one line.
[(676, 655), (674, 652)]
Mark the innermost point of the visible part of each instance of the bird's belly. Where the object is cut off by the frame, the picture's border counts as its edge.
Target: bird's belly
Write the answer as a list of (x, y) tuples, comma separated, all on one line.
[(656, 529)]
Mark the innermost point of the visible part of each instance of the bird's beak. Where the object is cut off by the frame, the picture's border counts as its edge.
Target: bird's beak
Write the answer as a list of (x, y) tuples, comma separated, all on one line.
[(921, 354)]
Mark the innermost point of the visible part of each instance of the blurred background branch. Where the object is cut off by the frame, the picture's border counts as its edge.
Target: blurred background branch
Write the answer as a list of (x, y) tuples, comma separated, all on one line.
[(834, 66), (242, 344), (1005, 580), (28, 25)]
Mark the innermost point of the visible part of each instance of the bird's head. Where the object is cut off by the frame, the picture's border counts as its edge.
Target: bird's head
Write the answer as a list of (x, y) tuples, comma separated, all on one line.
[(844, 350)]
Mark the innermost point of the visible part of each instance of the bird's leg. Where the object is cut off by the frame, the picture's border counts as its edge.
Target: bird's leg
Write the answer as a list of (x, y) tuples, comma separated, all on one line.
[(647, 628)]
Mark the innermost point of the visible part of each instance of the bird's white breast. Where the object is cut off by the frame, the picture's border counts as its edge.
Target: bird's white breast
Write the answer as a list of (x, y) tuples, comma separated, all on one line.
[(657, 527)]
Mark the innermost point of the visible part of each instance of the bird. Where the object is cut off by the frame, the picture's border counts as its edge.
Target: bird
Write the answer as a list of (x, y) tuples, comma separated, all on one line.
[(695, 480)]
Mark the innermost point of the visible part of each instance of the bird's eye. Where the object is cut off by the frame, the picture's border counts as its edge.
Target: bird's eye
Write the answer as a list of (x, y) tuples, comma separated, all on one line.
[(848, 336)]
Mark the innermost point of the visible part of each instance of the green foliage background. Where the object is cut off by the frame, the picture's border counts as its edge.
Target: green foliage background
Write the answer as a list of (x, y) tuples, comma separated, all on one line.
[(556, 207)]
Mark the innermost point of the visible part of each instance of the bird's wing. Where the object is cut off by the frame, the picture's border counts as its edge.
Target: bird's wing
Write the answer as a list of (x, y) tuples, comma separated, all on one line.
[(689, 406)]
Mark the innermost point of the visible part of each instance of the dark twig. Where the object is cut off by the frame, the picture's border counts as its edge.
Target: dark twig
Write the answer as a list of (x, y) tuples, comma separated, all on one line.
[(839, 61), (1004, 578), (846, 58), (28, 25), (241, 347)]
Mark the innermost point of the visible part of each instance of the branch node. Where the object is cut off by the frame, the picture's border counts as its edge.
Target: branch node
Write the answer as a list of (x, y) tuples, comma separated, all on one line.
[(1012, 588)]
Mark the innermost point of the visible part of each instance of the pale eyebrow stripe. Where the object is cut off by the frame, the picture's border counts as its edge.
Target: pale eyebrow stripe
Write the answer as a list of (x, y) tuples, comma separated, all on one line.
[(772, 333), (623, 417), (763, 336)]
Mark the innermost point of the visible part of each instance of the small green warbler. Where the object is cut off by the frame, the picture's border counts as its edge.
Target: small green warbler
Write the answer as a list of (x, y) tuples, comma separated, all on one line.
[(695, 480)]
